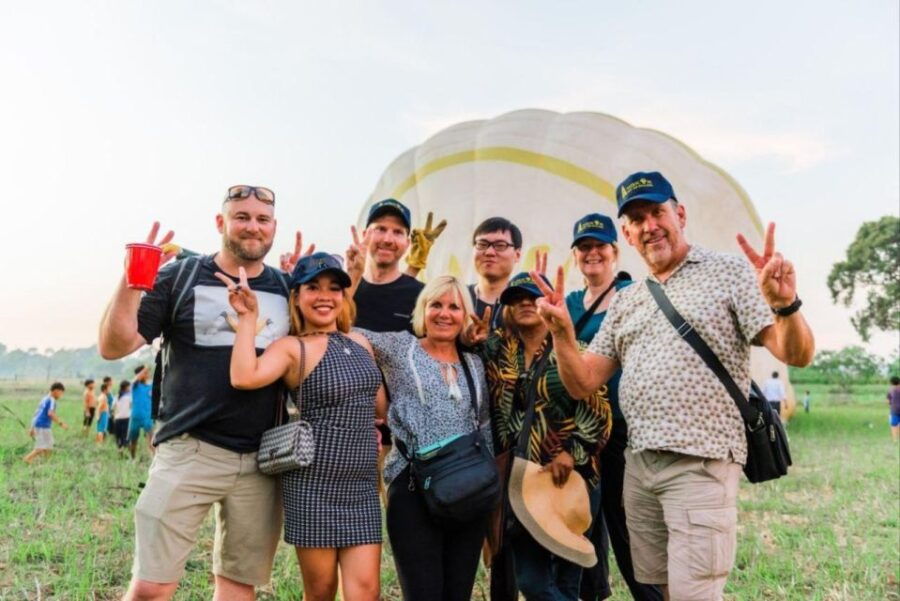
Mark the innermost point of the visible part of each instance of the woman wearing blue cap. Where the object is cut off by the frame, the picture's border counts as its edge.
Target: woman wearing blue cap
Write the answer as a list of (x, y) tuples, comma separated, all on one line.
[(596, 254), (332, 510), (566, 434)]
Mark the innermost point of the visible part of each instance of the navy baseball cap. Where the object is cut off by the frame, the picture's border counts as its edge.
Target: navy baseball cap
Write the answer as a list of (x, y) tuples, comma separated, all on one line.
[(644, 185), (596, 226), (521, 283), (389, 205), (309, 268)]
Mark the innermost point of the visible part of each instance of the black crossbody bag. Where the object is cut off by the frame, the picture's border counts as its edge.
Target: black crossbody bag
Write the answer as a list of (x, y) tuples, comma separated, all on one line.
[(458, 481), (768, 455)]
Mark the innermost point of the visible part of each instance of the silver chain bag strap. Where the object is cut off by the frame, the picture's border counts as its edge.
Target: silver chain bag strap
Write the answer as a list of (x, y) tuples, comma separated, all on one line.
[(292, 445)]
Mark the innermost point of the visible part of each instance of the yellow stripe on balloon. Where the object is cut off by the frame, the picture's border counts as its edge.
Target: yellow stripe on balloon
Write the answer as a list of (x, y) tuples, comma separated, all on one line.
[(508, 154), (559, 167)]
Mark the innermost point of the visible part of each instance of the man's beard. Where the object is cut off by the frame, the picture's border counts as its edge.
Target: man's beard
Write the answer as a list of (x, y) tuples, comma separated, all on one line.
[(234, 246)]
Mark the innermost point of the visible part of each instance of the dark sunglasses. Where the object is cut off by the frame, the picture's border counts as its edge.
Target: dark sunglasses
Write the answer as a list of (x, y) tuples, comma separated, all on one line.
[(242, 192)]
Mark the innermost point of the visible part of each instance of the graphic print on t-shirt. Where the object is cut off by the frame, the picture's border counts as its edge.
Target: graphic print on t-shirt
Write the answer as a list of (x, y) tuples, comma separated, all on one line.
[(214, 319)]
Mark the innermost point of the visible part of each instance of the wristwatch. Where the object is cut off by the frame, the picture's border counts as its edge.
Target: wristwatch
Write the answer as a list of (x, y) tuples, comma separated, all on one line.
[(788, 310)]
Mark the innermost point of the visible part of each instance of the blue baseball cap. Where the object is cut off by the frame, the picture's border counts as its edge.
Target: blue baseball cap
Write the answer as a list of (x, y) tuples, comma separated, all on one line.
[(309, 268), (644, 185), (389, 205), (596, 226), (521, 283)]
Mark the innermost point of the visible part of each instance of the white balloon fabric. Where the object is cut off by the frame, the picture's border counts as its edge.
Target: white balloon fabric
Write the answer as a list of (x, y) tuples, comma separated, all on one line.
[(543, 171)]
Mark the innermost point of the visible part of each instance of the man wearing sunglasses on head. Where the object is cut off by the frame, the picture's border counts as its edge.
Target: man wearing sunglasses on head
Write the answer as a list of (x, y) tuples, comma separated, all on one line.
[(210, 431)]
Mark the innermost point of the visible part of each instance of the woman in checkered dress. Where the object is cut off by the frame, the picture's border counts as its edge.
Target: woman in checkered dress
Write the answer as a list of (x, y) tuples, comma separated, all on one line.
[(332, 509)]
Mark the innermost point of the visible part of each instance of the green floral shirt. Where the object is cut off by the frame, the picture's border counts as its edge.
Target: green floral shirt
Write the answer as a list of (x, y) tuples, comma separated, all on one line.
[(561, 423)]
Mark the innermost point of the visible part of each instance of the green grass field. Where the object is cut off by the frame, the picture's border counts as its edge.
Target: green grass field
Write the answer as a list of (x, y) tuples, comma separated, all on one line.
[(830, 531)]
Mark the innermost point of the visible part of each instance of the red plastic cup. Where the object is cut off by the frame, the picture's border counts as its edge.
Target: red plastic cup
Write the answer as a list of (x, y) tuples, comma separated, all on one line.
[(141, 265)]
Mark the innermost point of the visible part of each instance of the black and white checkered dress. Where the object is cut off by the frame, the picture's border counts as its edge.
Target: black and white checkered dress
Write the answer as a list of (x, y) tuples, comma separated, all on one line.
[(334, 502)]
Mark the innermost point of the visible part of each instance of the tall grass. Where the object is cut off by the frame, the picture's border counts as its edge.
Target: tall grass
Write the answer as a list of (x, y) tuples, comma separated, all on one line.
[(829, 531)]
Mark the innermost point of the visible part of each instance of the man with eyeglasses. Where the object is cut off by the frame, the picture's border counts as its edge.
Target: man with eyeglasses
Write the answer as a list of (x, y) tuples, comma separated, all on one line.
[(496, 249), (210, 432)]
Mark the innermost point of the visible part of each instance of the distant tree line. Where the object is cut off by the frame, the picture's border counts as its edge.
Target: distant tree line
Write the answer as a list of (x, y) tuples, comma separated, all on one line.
[(60, 364), (846, 367)]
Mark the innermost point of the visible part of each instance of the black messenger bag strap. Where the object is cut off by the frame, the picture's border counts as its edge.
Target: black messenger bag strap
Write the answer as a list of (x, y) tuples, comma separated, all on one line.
[(752, 417), (521, 449)]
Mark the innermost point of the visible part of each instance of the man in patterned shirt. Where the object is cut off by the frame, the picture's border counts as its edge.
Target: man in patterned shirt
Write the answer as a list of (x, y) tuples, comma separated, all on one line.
[(686, 435)]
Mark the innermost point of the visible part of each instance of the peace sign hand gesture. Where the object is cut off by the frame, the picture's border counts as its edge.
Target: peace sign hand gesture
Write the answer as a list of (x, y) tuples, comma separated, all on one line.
[(478, 329), (552, 306), (357, 253), (422, 239), (242, 299), (289, 260), (776, 276)]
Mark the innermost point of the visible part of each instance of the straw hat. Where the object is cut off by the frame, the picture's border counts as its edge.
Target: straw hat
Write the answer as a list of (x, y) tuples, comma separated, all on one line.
[(555, 517)]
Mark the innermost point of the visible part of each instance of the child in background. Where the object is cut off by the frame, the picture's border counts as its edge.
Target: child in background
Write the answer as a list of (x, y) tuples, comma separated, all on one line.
[(90, 405), (121, 415), (111, 400), (102, 412), (43, 421), (806, 402), (141, 410)]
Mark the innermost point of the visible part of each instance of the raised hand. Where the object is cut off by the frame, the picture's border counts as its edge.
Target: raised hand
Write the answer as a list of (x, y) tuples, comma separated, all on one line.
[(552, 306), (776, 276), (168, 253), (357, 253), (289, 259), (240, 296), (540, 261), (478, 329), (422, 239)]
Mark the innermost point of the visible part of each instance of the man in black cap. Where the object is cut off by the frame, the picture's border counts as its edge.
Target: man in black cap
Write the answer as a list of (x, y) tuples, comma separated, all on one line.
[(386, 296)]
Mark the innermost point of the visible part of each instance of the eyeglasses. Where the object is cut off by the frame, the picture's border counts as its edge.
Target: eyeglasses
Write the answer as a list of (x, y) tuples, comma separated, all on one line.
[(241, 192), (498, 245)]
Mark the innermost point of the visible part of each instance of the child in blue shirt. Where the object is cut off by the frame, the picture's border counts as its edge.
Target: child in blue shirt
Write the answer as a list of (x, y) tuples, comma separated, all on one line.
[(42, 422)]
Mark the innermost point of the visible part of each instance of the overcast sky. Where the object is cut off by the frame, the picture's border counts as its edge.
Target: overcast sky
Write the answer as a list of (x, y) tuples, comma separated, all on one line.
[(118, 113)]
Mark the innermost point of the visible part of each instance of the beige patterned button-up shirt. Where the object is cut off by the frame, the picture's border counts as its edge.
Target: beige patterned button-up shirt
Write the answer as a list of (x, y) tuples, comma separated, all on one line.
[(671, 400)]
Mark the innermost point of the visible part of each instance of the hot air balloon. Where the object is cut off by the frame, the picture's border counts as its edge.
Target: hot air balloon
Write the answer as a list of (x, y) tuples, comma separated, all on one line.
[(544, 170)]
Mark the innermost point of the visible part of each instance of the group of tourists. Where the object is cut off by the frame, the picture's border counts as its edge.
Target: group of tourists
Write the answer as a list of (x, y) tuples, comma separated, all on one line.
[(619, 419)]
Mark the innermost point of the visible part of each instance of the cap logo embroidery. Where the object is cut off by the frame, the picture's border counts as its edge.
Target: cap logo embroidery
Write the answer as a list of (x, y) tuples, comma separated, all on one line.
[(641, 183), (597, 225)]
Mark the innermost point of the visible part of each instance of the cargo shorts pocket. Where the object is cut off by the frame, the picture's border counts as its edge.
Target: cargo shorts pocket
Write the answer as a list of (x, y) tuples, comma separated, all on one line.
[(712, 538)]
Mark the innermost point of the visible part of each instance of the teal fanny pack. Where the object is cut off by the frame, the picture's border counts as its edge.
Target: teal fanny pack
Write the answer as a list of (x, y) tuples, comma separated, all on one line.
[(427, 452)]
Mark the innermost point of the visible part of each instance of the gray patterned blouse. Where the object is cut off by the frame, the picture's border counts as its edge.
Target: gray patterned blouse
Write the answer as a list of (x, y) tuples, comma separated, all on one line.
[(423, 409)]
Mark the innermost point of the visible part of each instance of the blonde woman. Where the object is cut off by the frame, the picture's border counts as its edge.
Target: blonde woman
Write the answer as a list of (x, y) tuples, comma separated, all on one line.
[(430, 380), (332, 510)]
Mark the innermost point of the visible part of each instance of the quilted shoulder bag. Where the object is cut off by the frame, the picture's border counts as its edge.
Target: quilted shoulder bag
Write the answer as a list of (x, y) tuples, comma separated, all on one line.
[(288, 446)]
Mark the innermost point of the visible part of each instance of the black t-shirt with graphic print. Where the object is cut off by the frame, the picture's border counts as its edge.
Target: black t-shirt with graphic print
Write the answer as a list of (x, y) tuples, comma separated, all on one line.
[(387, 307), (197, 396)]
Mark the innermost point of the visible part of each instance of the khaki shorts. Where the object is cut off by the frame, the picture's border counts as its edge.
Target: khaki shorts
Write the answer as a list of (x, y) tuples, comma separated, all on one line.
[(188, 477), (682, 521)]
